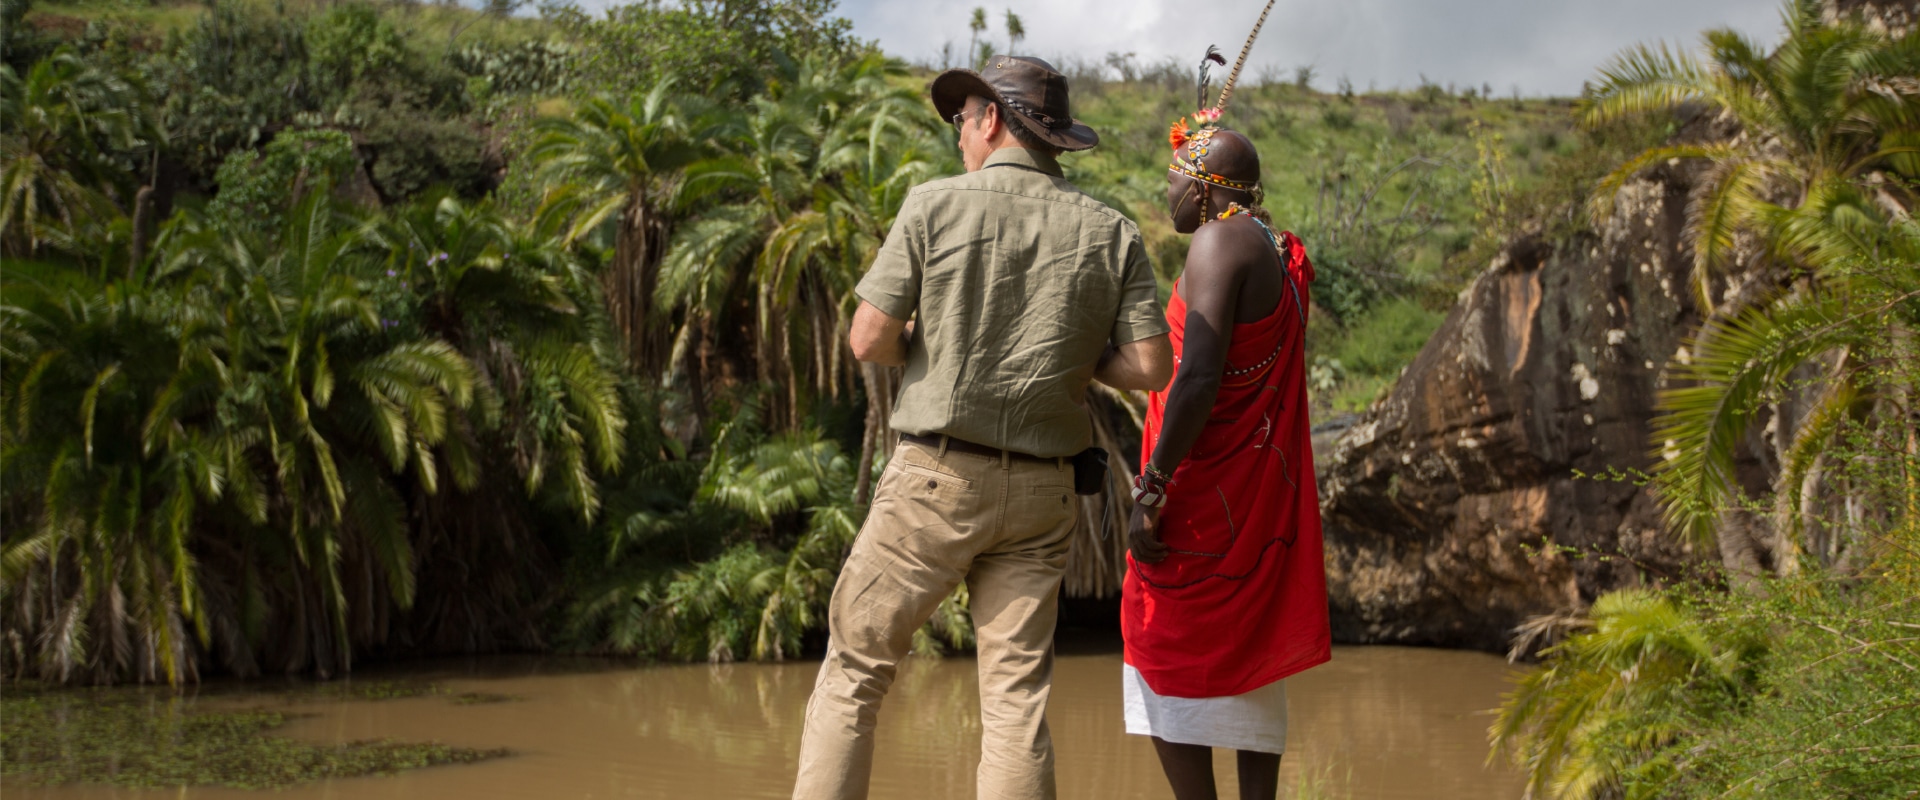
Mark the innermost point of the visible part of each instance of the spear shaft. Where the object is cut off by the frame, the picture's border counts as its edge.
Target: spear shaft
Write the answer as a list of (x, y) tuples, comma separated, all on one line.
[(1226, 91)]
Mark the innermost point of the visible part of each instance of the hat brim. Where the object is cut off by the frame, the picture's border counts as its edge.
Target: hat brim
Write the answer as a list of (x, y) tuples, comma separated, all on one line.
[(952, 88)]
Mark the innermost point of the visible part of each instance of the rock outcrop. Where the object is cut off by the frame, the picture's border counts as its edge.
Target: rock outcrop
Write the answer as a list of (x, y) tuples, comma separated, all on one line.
[(1466, 501), (1456, 507)]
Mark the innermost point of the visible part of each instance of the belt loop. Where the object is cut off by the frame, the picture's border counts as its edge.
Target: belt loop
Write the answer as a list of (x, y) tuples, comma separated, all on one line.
[(1060, 464), (1005, 459), (943, 445)]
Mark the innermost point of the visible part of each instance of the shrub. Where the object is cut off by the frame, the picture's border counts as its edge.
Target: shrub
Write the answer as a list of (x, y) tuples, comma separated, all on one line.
[(256, 188)]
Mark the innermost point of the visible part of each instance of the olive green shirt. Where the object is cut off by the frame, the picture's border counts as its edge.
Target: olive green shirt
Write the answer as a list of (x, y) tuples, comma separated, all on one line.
[(1019, 281)]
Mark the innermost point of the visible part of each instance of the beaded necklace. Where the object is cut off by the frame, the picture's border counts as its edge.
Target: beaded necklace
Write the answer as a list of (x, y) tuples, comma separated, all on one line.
[(1258, 213)]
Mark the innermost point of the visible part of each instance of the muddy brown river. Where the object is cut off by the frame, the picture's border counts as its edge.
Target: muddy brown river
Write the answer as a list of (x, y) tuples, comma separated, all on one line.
[(1378, 723)]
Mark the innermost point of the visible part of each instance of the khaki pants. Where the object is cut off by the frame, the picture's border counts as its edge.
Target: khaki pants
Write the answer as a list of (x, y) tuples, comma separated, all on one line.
[(1001, 525)]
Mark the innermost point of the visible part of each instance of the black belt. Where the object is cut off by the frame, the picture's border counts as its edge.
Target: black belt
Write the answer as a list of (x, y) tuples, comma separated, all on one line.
[(964, 446)]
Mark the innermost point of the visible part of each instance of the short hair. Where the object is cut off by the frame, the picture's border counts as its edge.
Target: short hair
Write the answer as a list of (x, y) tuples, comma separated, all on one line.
[(1021, 133)]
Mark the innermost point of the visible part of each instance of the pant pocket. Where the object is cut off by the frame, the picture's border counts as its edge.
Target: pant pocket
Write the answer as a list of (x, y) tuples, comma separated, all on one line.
[(933, 478)]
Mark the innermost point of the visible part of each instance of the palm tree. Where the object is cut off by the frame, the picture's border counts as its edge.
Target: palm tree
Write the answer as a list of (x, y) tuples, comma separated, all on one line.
[(603, 164), (1609, 699), (510, 301), (809, 181), (975, 26), (245, 385), (63, 128), (549, 424), (357, 404), (1822, 175), (98, 577), (1015, 32)]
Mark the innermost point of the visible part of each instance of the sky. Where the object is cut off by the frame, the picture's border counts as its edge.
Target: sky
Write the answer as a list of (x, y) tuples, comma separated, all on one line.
[(1541, 47)]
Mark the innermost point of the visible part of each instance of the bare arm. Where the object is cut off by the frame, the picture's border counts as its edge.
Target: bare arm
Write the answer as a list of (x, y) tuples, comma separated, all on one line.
[(1211, 287), (878, 338), (1146, 365)]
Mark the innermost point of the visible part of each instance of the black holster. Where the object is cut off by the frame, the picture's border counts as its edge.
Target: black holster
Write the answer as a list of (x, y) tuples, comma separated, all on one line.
[(1089, 471)]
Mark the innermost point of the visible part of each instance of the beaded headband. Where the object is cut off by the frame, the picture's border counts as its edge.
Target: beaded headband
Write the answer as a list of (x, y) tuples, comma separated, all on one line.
[(1199, 145)]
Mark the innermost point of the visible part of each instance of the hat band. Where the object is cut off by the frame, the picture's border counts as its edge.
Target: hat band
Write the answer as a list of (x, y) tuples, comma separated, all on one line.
[(1041, 117)]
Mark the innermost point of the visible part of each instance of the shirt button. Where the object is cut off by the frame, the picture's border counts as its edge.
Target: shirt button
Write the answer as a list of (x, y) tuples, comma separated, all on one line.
[(933, 484)]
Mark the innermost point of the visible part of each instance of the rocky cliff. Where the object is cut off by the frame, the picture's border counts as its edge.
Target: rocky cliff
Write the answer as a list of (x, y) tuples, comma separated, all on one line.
[(1455, 508), (1462, 504)]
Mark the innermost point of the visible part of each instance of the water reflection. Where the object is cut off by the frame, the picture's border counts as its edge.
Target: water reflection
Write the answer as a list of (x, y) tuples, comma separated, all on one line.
[(1387, 722)]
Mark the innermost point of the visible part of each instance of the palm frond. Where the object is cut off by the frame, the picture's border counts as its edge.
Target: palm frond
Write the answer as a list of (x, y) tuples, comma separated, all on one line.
[(1644, 79), (1738, 363)]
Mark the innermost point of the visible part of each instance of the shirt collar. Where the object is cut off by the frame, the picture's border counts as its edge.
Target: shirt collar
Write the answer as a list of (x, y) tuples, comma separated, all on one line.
[(1022, 157)]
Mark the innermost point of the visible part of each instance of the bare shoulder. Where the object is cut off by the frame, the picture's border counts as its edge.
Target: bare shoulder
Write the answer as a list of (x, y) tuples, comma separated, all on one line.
[(1225, 249)]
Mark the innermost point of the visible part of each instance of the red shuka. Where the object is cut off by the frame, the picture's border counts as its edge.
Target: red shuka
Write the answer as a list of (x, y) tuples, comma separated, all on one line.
[(1241, 601)]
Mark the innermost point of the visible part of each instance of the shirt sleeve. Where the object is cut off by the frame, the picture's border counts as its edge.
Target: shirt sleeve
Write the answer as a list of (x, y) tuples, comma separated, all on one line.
[(1140, 314), (892, 284)]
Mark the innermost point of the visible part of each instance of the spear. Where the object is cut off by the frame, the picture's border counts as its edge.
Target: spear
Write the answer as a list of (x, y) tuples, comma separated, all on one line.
[(1226, 90)]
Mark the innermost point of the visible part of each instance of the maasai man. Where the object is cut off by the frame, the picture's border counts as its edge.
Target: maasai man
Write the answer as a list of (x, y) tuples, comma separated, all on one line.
[(1003, 292), (1225, 594)]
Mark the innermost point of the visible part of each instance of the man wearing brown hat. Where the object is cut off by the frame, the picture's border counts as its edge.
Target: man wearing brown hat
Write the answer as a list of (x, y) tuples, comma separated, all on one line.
[(1003, 292)]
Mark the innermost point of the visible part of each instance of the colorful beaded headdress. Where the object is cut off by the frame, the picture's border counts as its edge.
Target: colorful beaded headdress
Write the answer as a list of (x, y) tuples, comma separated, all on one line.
[(1199, 135)]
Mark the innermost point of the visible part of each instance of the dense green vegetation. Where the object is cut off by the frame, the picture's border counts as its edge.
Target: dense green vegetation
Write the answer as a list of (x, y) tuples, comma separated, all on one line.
[(285, 384), (343, 329), (1791, 671)]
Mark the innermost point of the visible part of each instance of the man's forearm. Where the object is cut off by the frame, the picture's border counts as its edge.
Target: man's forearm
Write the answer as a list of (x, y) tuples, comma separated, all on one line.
[(877, 338), (893, 354), (1114, 371), (1144, 365)]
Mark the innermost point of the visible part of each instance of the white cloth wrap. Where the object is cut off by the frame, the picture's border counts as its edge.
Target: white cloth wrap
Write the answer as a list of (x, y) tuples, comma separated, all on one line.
[(1254, 721)]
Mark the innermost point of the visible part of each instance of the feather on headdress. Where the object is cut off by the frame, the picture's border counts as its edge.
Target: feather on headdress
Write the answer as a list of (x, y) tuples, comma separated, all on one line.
[(1207, 115), (1197, 135)]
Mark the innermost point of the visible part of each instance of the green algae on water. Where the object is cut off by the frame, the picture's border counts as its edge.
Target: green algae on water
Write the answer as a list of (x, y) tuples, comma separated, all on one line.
[(482, 698), (349, 689), (149, 740), (375, 691)]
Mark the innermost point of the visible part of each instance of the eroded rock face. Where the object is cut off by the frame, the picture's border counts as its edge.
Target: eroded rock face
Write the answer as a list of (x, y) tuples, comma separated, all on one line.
[(1894, 16), (1453, 508)]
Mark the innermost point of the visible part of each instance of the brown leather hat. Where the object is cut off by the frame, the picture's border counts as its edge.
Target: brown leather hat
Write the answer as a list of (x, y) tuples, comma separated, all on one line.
[(1035, 91)]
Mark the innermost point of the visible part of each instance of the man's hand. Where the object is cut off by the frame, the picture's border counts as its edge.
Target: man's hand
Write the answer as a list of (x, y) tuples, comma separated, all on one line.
[(1143, 535)]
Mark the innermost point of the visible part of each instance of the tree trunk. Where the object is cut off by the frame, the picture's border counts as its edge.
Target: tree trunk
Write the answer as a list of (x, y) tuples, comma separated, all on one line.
[(863, 479), (637, 251), (1744, 550), (881, 384), (136, 250)]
